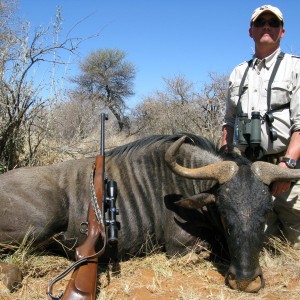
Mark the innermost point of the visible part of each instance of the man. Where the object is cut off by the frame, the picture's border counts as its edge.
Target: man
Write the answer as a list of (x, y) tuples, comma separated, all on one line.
[(269, 86)]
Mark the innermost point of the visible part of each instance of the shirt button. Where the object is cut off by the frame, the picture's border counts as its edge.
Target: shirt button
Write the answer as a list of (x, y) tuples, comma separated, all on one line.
[(258, 73), (255, 91)]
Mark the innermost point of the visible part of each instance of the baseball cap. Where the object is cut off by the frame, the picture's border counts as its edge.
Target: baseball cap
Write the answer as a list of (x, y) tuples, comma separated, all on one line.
[(267, 8)]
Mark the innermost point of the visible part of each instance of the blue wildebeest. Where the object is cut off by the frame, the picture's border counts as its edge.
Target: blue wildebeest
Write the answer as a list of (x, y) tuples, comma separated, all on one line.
[(171, 189)]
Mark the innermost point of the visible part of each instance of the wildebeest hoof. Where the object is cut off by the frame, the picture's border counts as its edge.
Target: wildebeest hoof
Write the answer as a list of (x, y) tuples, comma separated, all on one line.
[(11, 276)]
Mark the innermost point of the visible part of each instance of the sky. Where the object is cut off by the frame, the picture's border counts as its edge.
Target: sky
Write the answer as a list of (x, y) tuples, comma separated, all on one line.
[(164, 38)]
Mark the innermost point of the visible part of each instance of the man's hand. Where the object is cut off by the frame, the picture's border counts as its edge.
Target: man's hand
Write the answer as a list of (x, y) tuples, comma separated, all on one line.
[(279, 187)]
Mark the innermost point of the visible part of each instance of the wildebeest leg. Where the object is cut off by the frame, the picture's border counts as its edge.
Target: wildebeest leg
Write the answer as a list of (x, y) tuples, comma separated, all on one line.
[(194, 229), (11, 276), (34, 231), (182, 228), (29, 215)]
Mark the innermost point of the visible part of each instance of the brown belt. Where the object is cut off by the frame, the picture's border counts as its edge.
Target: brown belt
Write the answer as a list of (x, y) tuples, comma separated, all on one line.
[(273, 158)]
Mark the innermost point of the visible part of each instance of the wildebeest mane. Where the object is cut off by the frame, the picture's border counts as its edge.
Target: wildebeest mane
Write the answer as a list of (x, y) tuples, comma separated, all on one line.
[(199, 141), (159, 139)]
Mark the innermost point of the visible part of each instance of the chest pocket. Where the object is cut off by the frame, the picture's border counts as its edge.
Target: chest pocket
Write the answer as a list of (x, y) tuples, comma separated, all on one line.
[(281, 93), (234, 91)]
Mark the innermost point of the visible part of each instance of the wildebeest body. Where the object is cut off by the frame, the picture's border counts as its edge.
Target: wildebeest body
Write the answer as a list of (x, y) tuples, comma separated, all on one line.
[(157, 206), (54, 199)]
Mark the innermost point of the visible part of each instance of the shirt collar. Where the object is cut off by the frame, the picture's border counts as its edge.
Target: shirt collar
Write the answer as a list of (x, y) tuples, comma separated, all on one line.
[(269, 60)]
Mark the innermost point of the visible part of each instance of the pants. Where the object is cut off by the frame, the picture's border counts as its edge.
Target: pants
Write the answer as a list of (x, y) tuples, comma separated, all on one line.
[(285, 218)]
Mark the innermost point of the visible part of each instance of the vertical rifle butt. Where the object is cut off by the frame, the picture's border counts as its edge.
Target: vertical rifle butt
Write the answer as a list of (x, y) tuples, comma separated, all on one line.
[(83, 283)]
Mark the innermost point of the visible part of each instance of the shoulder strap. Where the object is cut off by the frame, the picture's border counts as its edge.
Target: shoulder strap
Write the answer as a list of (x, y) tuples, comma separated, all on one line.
[(239, 107), (244, 78), (278, 61)]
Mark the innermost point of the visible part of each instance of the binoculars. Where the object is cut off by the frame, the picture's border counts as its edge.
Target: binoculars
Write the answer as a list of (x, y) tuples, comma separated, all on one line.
[(249, 130)]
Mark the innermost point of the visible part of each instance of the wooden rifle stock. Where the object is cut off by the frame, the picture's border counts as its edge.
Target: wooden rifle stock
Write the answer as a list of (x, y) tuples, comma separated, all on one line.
[(83, 282)]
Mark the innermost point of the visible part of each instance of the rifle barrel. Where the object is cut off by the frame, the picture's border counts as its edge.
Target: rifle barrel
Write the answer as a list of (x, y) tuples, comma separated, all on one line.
[(104, 117)]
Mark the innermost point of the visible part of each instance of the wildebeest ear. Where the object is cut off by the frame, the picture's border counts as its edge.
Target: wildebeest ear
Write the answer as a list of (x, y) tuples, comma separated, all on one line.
[(196, 201)]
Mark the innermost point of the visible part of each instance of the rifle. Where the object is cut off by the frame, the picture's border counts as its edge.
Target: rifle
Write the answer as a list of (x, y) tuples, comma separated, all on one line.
[(83, 283)]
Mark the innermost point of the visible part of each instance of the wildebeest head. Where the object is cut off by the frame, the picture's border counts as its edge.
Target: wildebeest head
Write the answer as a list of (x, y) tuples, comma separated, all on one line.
[(243, 199)]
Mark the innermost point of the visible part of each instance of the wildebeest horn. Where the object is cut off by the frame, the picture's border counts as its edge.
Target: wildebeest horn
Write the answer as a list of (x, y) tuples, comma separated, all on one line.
[(268, 173), (221, 171)]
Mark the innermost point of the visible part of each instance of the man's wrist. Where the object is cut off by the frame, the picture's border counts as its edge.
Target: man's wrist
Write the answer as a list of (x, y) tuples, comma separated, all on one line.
[(289, 162)]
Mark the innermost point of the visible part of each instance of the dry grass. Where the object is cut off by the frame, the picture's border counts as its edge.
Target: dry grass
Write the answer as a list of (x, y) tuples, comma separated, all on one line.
[(191, 277)]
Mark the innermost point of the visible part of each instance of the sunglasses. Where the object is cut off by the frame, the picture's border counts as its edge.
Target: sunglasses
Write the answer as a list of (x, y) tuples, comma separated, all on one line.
[(275, 23)]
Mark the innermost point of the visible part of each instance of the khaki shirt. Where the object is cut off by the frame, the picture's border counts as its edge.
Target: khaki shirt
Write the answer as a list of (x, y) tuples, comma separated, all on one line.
[(285, 89)]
